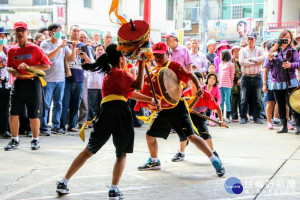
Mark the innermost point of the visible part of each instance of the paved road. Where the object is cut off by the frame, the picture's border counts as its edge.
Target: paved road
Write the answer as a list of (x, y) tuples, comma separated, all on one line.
[(249, 152)]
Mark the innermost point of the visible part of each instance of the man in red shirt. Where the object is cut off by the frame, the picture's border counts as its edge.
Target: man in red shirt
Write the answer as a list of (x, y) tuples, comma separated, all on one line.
[(26, 91), (204, 102), (176, 117)]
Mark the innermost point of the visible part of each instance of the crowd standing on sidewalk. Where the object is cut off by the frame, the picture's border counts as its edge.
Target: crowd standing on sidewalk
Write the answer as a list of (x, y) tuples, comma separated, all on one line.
[(234, 77)]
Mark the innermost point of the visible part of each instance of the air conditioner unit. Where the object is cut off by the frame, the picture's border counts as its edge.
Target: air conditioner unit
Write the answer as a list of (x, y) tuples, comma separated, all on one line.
[(187, 25)]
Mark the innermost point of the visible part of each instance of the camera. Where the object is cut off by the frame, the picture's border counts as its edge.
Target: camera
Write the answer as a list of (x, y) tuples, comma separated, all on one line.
[(275, 54), (83, 49), (282, 41), (69, 42)]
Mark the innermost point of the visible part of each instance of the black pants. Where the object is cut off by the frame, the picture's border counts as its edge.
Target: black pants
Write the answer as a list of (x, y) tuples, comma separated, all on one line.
[(136, 122), (4, 109), (282, 98), (251, 92), (235, 104)]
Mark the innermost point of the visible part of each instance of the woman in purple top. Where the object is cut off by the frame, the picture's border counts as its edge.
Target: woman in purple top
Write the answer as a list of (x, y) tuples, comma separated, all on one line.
[(223, 45), (278, 83)]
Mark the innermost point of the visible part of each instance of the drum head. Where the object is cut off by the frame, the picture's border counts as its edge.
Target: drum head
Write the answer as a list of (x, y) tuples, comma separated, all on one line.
[(170, 86), (295, 100)]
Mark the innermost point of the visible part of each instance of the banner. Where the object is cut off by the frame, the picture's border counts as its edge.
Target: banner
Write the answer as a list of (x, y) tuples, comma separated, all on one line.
[(59, 13), (180, 36), (34, 20), (234, 29)]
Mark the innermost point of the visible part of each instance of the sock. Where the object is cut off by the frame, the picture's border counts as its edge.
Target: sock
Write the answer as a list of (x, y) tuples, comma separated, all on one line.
[(154, 159), (15, 138), (65, 181), (182, 152), (113, 187), (212, 158), (37, 138)]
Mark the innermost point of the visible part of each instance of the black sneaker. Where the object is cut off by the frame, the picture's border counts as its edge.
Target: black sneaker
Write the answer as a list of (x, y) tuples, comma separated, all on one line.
[(220, 170), (115, 195), (178, 157), (58, 130), (150, 165), (62, 188), (6, 134), (243, 121), (11, 145), (35, 145), (45, 133), (258, 121)]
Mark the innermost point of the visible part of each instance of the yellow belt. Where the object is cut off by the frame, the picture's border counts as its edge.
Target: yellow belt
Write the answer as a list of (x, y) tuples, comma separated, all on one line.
[(111, 97)]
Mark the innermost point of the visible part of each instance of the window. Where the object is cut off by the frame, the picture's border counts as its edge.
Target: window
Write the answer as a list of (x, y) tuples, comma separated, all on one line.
[(226, 2), (237, 1), (237, 12), (170, 9), (258, 10), (213, 13), (226, 12), (3, 2), (191, 14), (87, 3), (191, 11), (247, 11), (42, 2), (141, 7)]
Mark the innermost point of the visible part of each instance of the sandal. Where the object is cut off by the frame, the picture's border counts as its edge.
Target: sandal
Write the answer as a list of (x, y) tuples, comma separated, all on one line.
[(72, 130)]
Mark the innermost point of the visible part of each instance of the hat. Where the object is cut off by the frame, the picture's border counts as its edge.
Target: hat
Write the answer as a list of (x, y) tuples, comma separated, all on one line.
[(236, 47), (297, 36), (252, 35), (160, 48), (224, 43), (171, 34), (211, 42), (2, 30), (133, 37), (20, 25)]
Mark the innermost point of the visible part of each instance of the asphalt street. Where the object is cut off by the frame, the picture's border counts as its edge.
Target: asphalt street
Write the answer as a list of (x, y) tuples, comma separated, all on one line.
[(266, 163)]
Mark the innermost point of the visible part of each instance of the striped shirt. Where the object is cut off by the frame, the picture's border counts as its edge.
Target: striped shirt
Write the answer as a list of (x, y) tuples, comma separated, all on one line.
[(254, 66), (226, 74)]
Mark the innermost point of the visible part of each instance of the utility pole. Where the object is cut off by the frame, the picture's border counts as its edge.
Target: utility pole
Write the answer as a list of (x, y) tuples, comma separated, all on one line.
[(205, 21), (147, 11)]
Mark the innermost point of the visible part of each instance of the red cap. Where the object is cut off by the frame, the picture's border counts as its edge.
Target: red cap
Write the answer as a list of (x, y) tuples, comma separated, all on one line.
[(160, 48), (20, 25)]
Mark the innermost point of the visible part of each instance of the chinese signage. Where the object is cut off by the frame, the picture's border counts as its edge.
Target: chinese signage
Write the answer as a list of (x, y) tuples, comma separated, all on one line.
[(34, 20), (59, 13), (229, 29), (180, 36)]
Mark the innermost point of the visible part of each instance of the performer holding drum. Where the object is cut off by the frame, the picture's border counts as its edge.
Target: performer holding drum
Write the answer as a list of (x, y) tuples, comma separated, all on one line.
[(199, 106), (174, 114)]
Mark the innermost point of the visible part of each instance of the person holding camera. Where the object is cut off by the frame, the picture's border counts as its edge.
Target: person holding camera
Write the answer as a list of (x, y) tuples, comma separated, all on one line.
[(283, 57), (75, 83), (56, 49)]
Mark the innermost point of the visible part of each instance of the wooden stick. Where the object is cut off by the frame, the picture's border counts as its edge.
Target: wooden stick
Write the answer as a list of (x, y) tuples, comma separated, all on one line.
[(152, 88), (208, 118)]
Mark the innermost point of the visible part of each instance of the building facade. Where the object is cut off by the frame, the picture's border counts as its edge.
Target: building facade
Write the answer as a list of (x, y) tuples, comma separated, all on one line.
[(90, 15)]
